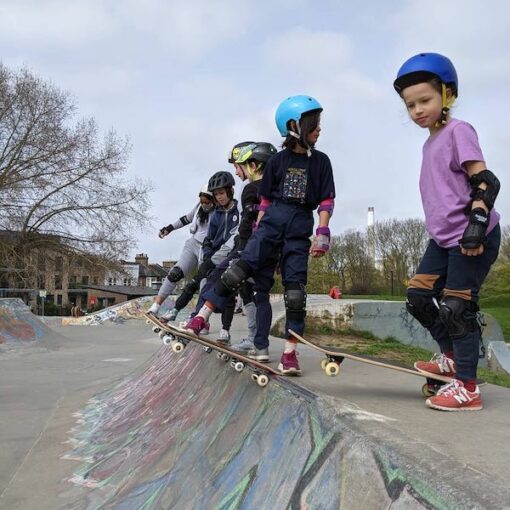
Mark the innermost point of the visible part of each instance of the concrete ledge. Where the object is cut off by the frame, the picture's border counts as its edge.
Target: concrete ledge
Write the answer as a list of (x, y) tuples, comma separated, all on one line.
[(498, 356), (382, 319)]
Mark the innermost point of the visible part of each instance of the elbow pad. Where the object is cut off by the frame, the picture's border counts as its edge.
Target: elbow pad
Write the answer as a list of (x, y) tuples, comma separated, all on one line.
[(327, 205), (488, 195)]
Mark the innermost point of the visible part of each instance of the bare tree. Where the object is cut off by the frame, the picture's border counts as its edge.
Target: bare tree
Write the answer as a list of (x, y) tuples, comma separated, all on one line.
[(357, 267), (400, 245), (61, 184)]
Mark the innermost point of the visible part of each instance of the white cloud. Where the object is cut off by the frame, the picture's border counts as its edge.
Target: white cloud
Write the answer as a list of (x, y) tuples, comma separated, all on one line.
[(54, 22)]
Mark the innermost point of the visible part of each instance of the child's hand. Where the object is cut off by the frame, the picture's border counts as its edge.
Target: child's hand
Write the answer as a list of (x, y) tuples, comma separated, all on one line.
[(320, 244), (163, 232), (472, 252)]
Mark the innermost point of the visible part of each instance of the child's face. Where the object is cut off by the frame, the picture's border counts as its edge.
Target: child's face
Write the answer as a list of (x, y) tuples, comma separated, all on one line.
[(239, 172), (423, 103), (221, 196), (206, 203), (314, 135)]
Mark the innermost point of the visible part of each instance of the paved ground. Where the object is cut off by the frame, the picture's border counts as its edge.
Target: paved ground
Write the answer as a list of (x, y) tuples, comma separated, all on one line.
[(41, 389)]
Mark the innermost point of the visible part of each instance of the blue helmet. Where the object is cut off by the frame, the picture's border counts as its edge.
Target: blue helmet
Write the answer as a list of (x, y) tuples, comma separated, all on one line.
[(417, 68), (293, 108)]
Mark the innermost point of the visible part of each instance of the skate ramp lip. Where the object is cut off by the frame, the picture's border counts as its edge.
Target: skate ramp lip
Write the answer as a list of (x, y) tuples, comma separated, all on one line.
[(185, 431), (123, 313)]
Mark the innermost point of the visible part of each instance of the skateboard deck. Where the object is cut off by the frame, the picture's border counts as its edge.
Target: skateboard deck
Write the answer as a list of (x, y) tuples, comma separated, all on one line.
[(331, 365), (177, 338)]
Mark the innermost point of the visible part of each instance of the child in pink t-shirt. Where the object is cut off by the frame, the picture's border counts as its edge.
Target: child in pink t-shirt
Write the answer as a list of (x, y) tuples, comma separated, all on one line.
[(458, 194)]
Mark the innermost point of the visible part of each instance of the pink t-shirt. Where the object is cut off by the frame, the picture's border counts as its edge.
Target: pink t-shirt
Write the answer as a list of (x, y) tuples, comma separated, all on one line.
[(444, 182)]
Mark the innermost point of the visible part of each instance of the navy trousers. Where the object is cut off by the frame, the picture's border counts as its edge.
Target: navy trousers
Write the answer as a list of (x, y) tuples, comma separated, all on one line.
[(445, 271), (283, 237)]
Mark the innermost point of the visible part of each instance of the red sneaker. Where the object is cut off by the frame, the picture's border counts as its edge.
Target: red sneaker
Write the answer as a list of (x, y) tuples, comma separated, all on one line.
[(289, 364), (195, 325), (438, 365), (454, 397)]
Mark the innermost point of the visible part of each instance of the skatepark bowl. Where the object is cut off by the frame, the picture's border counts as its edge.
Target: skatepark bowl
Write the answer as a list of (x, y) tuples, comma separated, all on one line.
[(177, 431)]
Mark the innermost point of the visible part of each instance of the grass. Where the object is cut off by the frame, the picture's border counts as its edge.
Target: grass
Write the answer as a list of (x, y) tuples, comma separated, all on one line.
[(499, 307), (388, 349)]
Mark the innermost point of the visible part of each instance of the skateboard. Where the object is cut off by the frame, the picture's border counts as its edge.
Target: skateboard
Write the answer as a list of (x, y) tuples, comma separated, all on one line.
[(158, 326), (177, 339), (331, 365)]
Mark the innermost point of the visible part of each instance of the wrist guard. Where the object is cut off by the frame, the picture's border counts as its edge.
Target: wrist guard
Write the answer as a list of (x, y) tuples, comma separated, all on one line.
[(166, 230), (488, 195), (474, 234)]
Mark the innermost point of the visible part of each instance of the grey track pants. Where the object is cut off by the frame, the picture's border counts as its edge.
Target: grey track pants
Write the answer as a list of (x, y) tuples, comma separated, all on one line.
[(189, 260)]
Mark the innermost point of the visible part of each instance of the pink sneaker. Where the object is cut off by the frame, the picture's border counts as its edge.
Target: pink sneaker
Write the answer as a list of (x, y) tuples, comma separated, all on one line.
[(455, 397), (205, 329), (438, 365), (195, 325), (289, 364)]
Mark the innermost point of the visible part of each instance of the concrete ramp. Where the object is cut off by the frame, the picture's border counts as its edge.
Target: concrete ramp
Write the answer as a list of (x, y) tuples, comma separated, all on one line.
[(186, 431), (18, 325)]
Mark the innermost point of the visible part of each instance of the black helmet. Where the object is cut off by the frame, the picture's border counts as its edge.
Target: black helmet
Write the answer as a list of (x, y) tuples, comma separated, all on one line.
[(232, 155), (221, 180), (258, 151)]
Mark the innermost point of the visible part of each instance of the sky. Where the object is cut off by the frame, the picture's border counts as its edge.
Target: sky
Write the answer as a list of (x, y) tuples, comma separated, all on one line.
[(185, 81)]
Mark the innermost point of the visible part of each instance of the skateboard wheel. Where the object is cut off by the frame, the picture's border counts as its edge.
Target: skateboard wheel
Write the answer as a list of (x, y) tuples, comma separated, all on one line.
[(238, 366), (147, 321), (219, 355), (262, 380), (254, 377), (177, 346), (155, 329), (225, 357), (162, 334), (167, 340), (427, 391), (324, 362), (332, 369), (207, 349)]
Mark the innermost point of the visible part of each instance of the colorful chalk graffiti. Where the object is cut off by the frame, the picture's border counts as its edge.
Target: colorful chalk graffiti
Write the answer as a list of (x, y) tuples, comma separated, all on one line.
[(119, 314), (18, 324), (188, 432)]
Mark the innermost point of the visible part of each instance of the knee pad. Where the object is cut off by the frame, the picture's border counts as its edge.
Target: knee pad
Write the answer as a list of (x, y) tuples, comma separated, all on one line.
[(175, 274), (459, 316), (423, 308), (236, 274), (295, 301)]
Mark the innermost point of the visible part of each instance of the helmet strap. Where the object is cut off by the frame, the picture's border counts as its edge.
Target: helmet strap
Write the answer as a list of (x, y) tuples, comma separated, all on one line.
[(300, 141), (447, 104)]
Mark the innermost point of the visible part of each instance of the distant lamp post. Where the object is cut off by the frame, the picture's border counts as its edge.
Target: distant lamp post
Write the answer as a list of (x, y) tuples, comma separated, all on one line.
[(42, 295)]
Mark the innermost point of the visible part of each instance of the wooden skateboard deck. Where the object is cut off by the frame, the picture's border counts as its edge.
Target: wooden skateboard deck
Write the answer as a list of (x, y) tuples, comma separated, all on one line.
[(178, 338), (331, 365)]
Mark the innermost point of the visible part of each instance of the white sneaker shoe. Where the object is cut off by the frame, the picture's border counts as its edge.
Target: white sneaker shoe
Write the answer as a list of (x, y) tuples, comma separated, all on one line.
[(154, 309), (245, 346), (170, 316), (224, 337)]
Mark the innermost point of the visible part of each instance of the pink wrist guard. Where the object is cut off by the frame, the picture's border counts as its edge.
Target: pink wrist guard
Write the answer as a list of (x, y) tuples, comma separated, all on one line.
[(327, 205), (264, 204)]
